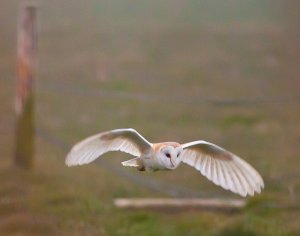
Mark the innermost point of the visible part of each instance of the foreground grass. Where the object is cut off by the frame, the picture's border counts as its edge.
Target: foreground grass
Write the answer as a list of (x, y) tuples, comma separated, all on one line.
[(56, 200)]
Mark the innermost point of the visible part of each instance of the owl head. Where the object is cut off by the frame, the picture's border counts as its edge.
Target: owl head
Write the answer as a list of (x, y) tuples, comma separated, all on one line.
[(169, 155)]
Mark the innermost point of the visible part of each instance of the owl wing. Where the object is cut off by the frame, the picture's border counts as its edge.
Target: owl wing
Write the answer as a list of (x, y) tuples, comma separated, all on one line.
[(222, 167), (89, 149)]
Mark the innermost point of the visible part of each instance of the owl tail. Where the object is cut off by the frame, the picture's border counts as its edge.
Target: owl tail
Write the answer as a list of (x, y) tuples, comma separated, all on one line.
[(135, 162)]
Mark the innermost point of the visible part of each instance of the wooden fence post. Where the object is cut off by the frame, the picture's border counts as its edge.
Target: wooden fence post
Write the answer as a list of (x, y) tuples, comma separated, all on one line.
[(25, 85)]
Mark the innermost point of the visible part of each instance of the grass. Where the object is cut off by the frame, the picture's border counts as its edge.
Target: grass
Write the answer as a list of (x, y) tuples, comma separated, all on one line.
[(154, 67)]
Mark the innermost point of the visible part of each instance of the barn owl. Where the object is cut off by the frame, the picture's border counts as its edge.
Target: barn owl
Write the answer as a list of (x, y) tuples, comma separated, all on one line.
[(219, 165)]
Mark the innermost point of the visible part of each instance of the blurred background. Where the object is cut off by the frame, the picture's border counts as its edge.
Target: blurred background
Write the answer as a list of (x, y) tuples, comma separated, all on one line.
[(222, 71)]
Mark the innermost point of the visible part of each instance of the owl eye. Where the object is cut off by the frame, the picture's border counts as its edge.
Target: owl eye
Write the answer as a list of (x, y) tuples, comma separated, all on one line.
[(168, 155), (178, 154)]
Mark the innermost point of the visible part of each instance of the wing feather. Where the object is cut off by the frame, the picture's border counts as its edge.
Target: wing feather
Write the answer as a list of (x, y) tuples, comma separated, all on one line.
[(232, 181), (208, 168), (223, 177), (239, 183), (229, 182), (223, 167), (246, 184), (125, 140), (216, 172)]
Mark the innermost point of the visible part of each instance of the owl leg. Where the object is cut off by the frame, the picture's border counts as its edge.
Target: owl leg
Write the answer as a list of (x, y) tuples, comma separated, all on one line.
[(141, 168)]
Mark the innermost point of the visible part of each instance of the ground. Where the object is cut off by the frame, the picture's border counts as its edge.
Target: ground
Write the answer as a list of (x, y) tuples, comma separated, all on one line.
[(180, 71)]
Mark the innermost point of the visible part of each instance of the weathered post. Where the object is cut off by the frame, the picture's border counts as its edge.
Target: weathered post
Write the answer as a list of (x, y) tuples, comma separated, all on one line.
[(26, 70)]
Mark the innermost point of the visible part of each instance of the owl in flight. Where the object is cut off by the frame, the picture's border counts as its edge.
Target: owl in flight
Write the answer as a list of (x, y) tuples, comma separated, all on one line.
[(219, 165)]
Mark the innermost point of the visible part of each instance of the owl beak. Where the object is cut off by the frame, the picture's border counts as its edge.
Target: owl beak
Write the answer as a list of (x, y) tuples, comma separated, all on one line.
[(172, 163)]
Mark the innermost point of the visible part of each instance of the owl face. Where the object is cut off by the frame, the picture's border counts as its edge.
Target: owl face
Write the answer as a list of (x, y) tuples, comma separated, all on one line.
[(170, 156)]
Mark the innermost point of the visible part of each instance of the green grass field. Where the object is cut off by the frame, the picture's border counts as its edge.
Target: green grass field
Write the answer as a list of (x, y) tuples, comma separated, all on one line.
[(222, 71)]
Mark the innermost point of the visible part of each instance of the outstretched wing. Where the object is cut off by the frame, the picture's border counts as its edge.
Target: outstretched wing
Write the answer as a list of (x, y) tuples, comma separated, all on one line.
[(125, 140), (222, 167)]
